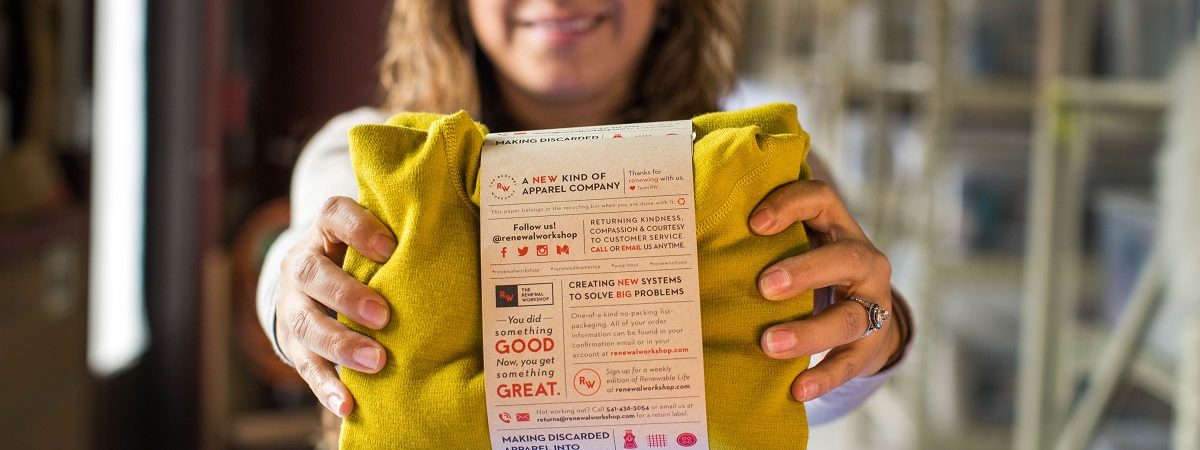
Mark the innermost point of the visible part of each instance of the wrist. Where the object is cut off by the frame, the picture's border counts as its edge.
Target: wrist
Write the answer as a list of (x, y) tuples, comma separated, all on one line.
[(900, 337), (277, 339)]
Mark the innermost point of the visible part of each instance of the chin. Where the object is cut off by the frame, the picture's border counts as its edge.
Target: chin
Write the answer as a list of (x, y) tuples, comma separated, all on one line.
[(567, 89)]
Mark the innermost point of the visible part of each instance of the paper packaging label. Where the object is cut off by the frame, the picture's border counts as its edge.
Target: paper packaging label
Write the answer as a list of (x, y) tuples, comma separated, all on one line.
[(591, 299)]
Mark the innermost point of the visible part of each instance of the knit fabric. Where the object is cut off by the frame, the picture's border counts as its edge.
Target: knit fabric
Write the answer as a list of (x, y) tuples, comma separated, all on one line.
[(418, 174)]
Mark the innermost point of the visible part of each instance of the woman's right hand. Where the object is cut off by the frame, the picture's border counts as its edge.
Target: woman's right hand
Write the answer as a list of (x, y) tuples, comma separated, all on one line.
[(312, 284)]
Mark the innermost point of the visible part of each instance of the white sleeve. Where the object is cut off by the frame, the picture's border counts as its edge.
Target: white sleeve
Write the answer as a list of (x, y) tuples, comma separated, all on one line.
[(845, 398), (322, 171), (851, 394)]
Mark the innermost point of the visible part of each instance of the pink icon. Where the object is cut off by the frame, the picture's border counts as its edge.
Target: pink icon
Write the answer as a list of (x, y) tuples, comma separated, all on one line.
[(630, 439), (656, 440), (686, 439)]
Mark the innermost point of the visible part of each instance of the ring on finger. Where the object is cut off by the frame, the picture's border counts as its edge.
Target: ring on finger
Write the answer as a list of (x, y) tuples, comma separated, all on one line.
[(876, 315)]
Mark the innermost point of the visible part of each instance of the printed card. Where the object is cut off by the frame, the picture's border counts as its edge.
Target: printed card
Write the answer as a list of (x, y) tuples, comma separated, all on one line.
[(591, 304)]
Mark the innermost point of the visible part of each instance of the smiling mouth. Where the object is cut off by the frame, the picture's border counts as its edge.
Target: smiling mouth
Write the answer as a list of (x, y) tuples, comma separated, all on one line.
[(578, 24)]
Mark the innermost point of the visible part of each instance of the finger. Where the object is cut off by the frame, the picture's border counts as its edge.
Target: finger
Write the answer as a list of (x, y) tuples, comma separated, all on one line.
[(849, 262), (810, 201), (322, 280), (343, 221), (322, 378), (840, 324), (331, 340), (839, 366)]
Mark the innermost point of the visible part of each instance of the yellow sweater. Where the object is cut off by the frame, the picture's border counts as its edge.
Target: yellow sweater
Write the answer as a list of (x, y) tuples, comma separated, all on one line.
[(418, 174)]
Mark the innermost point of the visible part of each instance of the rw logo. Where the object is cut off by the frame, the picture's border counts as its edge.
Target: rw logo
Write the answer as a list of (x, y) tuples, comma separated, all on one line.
[(506, 296), (501, 187)]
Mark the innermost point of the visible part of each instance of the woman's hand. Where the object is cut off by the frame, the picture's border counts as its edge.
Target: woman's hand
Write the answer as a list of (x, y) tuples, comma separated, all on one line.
[(843, 258), (312, 284)]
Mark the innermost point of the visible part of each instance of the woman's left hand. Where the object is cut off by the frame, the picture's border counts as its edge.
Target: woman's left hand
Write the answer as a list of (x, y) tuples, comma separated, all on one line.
[(842, 257)]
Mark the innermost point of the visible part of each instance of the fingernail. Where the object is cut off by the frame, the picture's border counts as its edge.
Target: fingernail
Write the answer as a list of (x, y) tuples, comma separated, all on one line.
[(368, 357), (373, 313), (779, 341), (383, 245), (335, 404), (775, 281), (762, 219), (809, 387)]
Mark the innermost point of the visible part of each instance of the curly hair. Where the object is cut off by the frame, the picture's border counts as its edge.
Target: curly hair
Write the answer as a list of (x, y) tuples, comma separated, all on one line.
[(432, 63)]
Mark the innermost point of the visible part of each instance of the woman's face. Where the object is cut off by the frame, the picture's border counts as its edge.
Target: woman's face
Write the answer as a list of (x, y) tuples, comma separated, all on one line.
[(564, 51)]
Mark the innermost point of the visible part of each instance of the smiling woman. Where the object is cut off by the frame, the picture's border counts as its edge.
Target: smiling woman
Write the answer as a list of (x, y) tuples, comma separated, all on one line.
[(560, 56), (531, 64), (572, 56)]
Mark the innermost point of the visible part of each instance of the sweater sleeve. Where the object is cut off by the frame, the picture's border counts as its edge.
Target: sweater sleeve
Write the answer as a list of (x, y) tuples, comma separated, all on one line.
[(322, 171)]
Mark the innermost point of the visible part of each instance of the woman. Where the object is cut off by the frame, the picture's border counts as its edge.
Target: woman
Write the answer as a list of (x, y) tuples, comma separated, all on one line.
[(532, 64)]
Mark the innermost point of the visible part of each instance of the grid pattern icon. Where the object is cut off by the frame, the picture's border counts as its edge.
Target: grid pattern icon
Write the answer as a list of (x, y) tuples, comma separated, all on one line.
[(656, 440)]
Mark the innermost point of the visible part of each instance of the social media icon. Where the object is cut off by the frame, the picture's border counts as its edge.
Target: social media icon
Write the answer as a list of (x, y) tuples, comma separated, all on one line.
[(522, 251), (543, 250), (503, 252), (562, 249)]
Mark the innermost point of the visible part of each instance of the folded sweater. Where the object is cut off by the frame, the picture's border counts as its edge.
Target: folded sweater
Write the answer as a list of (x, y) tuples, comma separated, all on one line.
[(419, 174)]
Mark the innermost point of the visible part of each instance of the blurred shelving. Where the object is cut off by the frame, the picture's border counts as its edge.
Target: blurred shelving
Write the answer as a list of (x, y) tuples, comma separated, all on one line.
[(43, 277), (938, 118), (48, 398)]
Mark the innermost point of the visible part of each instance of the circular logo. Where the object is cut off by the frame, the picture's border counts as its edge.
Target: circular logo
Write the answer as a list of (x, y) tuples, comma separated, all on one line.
[(587, 382), (503, 187), (686, 439)]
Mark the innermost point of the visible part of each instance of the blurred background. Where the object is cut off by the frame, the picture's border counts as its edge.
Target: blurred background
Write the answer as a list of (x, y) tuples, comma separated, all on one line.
[(1028, 166)]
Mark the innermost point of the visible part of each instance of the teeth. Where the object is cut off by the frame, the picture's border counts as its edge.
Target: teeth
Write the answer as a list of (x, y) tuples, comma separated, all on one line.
[(574, 25), (570, 26)]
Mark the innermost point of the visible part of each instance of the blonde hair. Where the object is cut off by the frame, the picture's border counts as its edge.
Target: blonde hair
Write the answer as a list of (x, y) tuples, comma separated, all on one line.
[(431, 63)]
